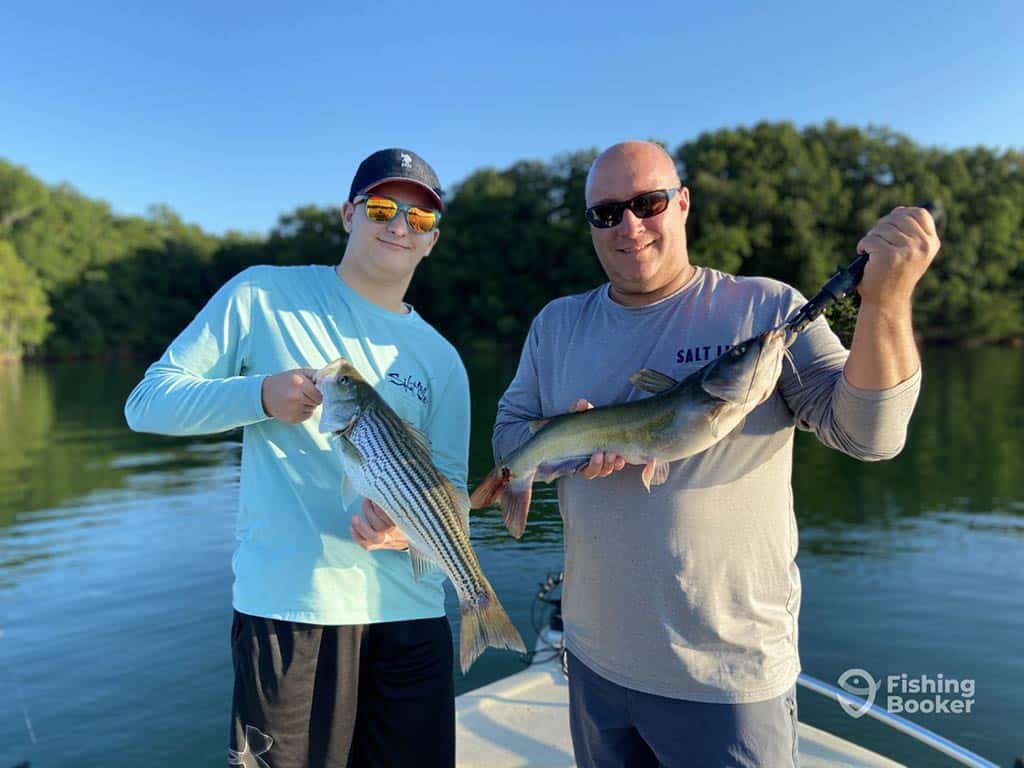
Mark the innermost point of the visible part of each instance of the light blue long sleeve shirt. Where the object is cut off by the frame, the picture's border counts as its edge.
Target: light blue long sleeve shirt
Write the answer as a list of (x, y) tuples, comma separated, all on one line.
[(295, 559)]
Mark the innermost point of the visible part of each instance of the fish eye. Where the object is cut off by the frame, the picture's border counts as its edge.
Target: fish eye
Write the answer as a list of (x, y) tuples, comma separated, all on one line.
[(737, 351), (343, 380)]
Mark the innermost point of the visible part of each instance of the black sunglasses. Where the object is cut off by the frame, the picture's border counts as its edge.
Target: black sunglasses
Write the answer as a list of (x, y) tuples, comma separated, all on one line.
[(643, 206)]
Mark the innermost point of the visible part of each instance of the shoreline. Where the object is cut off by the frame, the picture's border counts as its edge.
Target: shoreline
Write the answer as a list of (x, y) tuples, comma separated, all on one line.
[(476, 346)]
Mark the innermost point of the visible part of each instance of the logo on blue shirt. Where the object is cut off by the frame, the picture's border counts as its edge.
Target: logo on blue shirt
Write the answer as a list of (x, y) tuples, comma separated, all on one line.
[(409, 384)]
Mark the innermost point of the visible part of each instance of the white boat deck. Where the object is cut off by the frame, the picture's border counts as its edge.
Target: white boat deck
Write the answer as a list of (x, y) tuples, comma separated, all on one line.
[(523, 720)]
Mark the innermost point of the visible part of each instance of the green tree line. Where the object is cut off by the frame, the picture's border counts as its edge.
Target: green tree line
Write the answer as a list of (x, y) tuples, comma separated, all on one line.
[(77, 279)]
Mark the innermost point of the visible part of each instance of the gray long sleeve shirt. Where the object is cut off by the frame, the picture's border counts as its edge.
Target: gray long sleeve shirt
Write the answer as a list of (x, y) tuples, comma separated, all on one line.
[(692, 591)]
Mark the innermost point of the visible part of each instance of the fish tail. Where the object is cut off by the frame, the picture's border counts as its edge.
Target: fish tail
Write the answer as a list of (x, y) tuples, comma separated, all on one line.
[(485, 623), (515, 504), (490, 489)]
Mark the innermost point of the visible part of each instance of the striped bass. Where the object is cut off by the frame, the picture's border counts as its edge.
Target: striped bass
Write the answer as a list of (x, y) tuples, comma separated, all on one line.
[(681, 419), (387, 460)]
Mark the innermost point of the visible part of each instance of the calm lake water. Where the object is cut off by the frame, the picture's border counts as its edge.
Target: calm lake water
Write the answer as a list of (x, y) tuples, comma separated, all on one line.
[(115, 580)]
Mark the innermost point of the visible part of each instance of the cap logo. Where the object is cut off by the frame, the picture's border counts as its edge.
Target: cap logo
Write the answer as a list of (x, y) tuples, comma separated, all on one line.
[(406, 161)]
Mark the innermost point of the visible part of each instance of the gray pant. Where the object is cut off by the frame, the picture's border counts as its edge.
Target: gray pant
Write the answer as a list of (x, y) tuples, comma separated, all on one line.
[(613, 726)]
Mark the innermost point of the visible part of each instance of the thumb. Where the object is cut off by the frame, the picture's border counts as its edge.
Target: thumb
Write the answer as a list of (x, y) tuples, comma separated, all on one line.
[(311, 392)]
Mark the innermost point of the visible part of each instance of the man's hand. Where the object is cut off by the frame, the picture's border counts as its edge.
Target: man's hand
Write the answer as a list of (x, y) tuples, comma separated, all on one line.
[(901, 246), (602, 463), (291, 396), (376, 531)]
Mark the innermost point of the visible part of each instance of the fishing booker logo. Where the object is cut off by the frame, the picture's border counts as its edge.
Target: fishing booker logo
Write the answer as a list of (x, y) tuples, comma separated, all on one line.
[(939, 695)]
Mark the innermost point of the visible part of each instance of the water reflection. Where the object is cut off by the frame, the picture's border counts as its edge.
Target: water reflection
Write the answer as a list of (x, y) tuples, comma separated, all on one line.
[(62, 436)]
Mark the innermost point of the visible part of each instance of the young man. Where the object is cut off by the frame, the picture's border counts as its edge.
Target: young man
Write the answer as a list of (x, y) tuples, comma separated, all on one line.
[(340, 656), (681, 605)]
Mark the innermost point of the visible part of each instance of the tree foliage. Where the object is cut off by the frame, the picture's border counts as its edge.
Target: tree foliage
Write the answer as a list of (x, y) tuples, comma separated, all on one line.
[(78, 279), (23, 305)]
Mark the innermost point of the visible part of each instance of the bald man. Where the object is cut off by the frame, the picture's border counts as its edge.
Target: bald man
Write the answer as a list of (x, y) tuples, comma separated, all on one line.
[(681, 605)]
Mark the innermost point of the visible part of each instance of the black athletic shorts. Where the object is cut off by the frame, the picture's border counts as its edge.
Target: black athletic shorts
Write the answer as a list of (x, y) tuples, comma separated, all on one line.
[(311, 696)]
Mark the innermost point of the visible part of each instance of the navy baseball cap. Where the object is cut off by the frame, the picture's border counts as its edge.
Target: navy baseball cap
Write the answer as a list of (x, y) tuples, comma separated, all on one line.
[(395, 165)]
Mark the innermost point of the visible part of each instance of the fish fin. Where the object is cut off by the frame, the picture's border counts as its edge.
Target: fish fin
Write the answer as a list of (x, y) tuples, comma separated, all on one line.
[(257, 741), (537, 425), (348, 493), (652, 381), (485, 623), (515, 504), (421, 563), (490, 489), (461, 501), (654, 473), (418, 435), (552, 470), (415, 434)]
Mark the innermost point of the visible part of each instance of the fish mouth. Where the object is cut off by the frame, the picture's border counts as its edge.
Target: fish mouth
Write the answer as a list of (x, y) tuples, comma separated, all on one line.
[(329, 371), (340, 409), (783, 331)]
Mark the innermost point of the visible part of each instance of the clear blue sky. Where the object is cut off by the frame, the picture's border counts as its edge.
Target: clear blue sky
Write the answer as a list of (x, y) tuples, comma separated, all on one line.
[(233, 113)]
